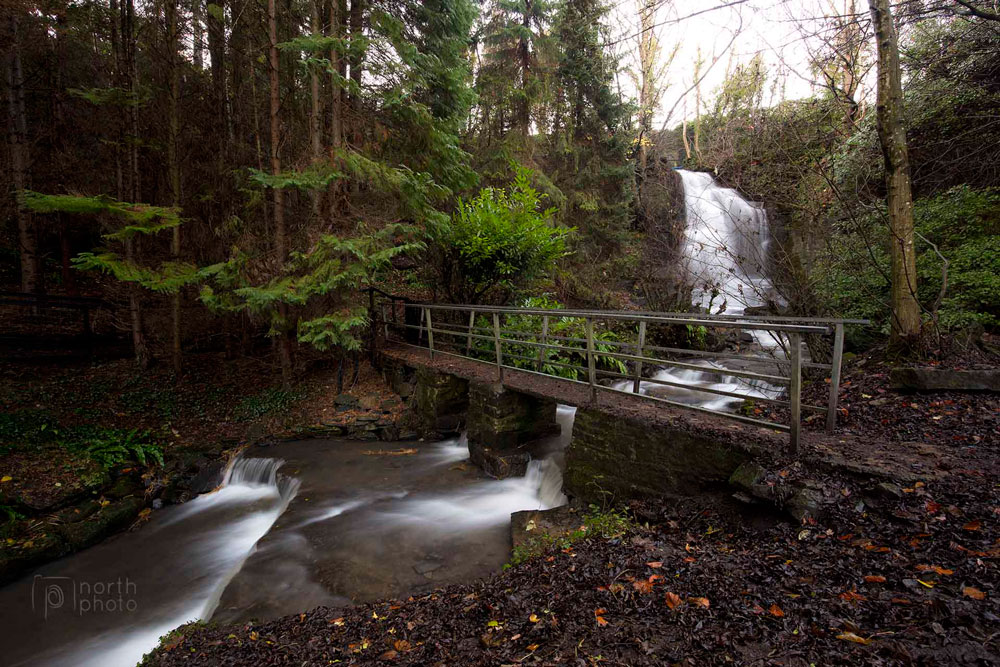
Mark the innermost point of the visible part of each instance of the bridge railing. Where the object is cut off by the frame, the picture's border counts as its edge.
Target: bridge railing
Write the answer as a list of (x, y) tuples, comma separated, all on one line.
[(532, 340)]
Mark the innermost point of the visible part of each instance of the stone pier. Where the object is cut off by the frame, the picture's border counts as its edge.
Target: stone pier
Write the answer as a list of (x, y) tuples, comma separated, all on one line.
[(617, 458), (441, 401), (500, 421)]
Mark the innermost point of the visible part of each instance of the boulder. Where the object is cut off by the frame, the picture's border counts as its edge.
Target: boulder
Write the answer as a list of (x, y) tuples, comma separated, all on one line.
[(944, 379)]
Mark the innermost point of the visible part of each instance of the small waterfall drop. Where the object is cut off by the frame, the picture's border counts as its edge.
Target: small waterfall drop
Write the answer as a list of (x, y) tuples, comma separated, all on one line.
[(725, 246)]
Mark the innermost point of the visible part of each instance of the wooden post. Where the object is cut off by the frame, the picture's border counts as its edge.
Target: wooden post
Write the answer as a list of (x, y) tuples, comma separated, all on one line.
[(385, 323), (838, 356), (545, 339), (638, 353), (468, 340), (591, 361), (795, 391), (496, 343), (430, 332)]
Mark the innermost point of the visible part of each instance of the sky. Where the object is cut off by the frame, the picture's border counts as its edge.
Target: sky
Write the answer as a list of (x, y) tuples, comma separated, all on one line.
[(773, 28)]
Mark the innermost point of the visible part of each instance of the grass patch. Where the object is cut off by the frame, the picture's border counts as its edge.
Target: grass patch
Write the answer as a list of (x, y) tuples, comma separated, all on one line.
[(603, 523)]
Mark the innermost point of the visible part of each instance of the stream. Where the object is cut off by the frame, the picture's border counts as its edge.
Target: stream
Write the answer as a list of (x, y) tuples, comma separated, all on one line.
[(330, 522), (333, 522)]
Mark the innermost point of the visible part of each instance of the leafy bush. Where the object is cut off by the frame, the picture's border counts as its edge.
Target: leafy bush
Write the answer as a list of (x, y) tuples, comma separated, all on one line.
[(497, 242), (964, 224), (526, 356), (27, 429), (113, 447)]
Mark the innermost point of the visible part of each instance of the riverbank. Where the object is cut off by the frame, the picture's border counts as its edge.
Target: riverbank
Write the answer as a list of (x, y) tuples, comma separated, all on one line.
[(88, 450), (886, 573), (897, 576)]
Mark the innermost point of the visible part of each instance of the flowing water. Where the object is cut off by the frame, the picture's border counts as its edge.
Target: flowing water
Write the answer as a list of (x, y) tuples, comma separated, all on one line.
[(725, 255), (329, 523), (725, 247)]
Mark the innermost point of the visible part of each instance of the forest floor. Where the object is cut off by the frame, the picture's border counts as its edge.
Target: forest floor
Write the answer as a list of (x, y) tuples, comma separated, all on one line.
[(888, 574), (68, 477)]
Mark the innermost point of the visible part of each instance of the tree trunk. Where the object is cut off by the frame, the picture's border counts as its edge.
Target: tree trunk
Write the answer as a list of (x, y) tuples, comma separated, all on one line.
[(357, 65), (220, 88), (17, 138), (197, 35), (173, 167), (280, 233), (337, 71), (315, 117), (899, 199), (524, 55)]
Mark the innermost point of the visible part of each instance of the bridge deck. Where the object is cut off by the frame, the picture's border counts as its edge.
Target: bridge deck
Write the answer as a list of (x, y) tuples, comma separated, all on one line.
[(899, 460)]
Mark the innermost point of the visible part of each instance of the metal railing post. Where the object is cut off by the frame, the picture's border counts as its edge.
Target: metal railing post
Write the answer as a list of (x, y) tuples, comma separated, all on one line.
[(591, 361), (545, 340), (795, 390), (638, 353), (496, 343), (430, 332), (468, 339), (385, 323), (838, 357)]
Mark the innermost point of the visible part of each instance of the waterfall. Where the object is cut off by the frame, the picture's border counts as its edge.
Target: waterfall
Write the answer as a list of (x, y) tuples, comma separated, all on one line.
[(255, 472), (725, 246)]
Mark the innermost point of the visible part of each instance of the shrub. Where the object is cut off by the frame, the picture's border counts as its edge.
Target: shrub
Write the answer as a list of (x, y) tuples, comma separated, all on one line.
[(497, 242)]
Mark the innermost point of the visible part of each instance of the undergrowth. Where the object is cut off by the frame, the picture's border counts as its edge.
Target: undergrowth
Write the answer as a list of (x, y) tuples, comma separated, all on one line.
[(598, 522)]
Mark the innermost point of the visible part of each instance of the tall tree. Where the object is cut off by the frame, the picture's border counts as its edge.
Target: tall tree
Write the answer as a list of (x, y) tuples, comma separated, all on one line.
[(17, 139), (173, 165), (906, 323), (280, 232)]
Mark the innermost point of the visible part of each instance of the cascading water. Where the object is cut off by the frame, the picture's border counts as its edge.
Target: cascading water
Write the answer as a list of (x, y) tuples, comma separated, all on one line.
[(336, 522), (725, 246), (724, 262), (170, 572)]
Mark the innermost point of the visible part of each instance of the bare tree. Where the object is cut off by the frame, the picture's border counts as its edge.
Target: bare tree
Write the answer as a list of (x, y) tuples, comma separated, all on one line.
[(906, 322)]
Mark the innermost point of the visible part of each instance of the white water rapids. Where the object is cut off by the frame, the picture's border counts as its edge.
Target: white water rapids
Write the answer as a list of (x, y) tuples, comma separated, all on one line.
[(724, 260)]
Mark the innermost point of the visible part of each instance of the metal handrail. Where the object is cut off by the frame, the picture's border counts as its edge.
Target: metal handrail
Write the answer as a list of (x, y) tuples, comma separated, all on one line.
[(792, 328)]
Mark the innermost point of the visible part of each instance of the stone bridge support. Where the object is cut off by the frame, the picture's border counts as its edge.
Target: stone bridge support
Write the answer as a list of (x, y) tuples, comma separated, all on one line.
[(500, 421), (441, 401), (616, 458)]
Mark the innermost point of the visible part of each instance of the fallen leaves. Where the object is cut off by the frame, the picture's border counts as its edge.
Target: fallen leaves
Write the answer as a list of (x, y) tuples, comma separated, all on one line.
[(851, 637), (406, 451), (5, 478), (776, 611), (599, 615), (875, 579), (852, 596), (700, 602), (973, 525), (673, 600), (934, 568), (974, 593), (655, 564)]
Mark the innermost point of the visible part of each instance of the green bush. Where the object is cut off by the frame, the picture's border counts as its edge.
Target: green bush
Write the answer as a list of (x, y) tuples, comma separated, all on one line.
[(526, 356), (964, 224), (497, 242)]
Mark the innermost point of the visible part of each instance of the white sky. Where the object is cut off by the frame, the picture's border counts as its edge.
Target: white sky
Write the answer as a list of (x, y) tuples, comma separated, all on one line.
[(771, 27)]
